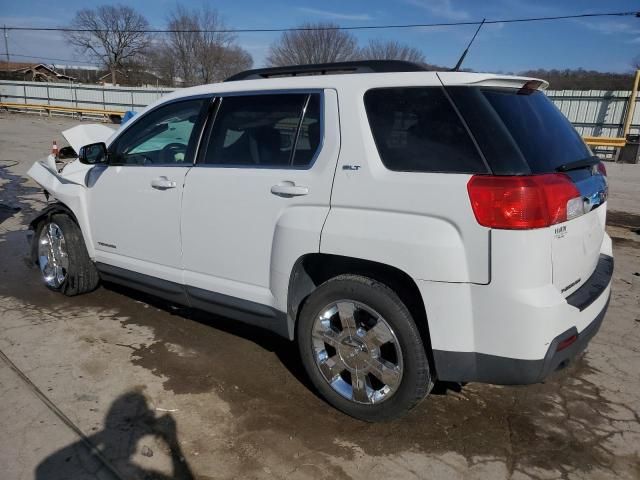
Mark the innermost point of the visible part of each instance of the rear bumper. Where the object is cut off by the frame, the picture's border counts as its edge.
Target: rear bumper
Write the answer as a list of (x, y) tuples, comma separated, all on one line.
[(484, 368), (586, 307)]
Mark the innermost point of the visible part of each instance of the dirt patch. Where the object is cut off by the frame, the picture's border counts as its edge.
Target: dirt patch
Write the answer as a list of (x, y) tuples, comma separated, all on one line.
[(625, 242), (561, 424), (12, 187), (624, 229), (623, 219), (7, 212)]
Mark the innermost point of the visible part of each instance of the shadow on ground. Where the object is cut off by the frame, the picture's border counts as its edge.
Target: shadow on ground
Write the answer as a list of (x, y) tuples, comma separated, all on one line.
[(108, 454)]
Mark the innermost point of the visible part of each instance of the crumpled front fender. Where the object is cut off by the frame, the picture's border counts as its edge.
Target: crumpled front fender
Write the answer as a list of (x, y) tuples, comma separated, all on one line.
[(50, 209), (69, 191)]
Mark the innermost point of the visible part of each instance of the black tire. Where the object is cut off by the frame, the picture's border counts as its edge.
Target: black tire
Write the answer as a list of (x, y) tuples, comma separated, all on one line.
[(415, 382), (82, 275)]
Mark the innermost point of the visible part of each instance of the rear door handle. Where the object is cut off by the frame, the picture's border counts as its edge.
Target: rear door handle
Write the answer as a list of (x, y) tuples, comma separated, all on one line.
[(289, 189), (163, 183)]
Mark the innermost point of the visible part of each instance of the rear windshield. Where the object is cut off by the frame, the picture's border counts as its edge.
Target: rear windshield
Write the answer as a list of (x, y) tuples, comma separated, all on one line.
[(518, 133), (416, 129)]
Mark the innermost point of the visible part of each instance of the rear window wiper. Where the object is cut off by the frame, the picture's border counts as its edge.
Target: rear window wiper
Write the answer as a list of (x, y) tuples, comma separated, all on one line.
[(578, 164)]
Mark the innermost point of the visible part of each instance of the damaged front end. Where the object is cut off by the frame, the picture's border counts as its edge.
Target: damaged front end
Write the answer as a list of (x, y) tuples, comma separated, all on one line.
[(64, 178)]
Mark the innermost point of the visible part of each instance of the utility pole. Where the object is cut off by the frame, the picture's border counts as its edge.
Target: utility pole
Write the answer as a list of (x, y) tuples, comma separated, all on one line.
[(6, 43)]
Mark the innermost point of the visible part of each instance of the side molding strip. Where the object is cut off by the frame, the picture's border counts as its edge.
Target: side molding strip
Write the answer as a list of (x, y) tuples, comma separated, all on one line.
[(244, 311)]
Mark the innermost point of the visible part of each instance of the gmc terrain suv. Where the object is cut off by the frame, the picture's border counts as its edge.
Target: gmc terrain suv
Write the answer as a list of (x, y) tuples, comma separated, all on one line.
[(400, 225)]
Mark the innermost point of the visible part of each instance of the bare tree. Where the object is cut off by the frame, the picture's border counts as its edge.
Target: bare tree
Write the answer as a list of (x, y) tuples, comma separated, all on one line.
[(318, 43), (181, 45), (113, 34), (391, 50), (234, 59), (199, 50), (161, 62)]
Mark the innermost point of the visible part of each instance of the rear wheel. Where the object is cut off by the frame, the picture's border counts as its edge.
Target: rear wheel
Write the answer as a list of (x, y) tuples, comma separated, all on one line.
[(362, 349), (64, 263)]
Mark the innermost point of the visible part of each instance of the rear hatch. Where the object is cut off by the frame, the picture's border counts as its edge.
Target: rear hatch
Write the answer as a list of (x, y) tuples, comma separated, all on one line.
[(522, 133)]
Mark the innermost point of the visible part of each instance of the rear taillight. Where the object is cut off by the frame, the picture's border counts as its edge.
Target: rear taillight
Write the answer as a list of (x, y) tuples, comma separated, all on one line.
[(566, 342), (602, 169), (523, 202)]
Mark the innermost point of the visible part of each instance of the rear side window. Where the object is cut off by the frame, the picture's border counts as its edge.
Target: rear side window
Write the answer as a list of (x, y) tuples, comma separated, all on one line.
[(416, 129), (275, 130), (519, 131)]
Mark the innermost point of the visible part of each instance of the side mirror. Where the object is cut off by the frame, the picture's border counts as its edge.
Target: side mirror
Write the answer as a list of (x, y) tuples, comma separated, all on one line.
[(93, 154)]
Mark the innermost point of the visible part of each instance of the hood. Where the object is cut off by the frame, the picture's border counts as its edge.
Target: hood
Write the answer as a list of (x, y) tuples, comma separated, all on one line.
[(83, 135)]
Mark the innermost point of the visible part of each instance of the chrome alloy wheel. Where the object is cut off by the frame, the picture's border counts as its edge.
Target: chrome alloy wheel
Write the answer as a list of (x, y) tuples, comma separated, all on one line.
[(357, 352), (52, 255)]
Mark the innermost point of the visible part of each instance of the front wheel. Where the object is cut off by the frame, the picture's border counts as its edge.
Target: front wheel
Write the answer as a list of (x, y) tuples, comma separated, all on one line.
[(62, 256), (362, 349)]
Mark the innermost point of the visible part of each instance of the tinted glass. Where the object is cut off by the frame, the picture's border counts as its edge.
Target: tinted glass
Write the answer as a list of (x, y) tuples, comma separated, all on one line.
[(262, 131), (519, 132), (416, 129), (165, 136)]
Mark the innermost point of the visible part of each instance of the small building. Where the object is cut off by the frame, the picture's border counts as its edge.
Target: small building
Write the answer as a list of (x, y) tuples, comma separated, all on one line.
[(132, 78), (42, 73), (105, 80)]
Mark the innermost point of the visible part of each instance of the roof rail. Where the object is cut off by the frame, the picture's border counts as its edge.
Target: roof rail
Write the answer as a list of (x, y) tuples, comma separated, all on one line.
[(364, 66)]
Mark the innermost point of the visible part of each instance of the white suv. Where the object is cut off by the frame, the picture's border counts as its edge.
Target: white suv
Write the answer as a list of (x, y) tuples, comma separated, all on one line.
[(401, 225)]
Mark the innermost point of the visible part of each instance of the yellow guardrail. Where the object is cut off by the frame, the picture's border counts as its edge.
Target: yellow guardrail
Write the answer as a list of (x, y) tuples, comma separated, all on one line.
[(604, 141), (619, 141), (60, 108)]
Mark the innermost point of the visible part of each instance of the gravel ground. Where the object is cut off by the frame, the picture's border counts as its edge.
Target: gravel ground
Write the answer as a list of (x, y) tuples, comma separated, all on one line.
[(116, 384)]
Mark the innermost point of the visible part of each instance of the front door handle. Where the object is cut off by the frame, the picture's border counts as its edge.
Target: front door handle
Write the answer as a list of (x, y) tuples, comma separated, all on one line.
[(163, 183), (289, 189)]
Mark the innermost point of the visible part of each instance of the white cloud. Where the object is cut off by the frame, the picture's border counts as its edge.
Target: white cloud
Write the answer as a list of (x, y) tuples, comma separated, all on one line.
[(620, 29), (336, 15), (524, 8), (441, 8), (610, 27)]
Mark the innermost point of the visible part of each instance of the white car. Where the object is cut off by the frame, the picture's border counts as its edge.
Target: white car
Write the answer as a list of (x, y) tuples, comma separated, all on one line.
[(401, 225)]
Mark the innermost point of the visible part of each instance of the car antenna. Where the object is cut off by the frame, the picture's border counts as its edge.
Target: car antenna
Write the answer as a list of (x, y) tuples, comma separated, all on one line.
[(466, 50)]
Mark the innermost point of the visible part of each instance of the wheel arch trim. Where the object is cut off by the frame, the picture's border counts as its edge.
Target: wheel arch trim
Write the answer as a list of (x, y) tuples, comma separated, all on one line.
[(302, 284), (44, 215)]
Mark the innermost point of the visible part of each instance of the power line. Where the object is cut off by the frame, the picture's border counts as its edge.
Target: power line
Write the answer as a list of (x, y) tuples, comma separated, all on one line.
[(358, 27)]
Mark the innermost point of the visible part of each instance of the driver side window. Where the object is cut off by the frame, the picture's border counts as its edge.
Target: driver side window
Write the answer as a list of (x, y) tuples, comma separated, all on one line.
[(165, 136)]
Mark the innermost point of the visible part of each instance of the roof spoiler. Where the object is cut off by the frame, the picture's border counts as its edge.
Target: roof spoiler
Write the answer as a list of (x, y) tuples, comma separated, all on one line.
[(491, 80)]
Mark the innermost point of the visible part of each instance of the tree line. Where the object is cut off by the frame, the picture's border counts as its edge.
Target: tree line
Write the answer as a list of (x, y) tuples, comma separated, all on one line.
[(192, 53), (197, 49), (580, 79)]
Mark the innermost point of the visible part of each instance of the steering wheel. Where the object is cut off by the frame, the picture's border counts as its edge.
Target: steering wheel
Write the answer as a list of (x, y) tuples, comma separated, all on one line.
[(169, 152)]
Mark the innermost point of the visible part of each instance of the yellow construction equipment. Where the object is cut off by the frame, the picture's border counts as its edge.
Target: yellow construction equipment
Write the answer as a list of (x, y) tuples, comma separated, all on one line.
[(619, 141)]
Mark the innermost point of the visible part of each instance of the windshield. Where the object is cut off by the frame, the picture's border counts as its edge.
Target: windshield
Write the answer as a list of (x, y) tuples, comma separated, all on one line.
[(519, 132)]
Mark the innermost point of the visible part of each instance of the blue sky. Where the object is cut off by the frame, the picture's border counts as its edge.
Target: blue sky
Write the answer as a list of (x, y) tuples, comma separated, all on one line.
[(606, 44)]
